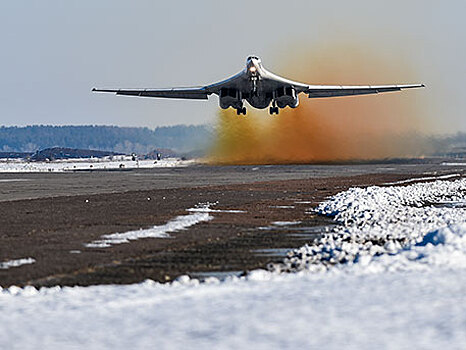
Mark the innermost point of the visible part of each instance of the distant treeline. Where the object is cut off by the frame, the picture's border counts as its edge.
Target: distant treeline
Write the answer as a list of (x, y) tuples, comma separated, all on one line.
[(109, 138), (181, 138), (450, 145)]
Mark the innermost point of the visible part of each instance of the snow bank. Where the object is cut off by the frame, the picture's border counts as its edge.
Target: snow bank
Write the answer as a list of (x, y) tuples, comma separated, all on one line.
[(267, 311), (377, 221)]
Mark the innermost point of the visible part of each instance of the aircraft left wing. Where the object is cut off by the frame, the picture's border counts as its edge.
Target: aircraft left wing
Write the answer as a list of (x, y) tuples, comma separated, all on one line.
[(196, 93), (318, 91)]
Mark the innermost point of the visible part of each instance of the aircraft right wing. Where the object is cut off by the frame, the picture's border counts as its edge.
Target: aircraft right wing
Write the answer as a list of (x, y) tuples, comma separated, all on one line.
[(319, 91), (197, 93)]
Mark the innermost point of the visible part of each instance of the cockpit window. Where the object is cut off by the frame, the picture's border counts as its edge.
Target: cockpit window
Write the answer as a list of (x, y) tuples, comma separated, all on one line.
[(253, 57)]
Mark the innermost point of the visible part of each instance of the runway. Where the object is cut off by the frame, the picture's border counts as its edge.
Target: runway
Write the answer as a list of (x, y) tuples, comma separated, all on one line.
[(14, 186), (255, 214)]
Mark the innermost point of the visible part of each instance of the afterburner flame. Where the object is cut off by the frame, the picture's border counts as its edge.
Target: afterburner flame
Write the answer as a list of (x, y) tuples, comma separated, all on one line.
[(328, 130)]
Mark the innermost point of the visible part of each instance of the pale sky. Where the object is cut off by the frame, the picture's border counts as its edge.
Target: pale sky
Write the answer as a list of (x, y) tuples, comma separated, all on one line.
[(53, 52)]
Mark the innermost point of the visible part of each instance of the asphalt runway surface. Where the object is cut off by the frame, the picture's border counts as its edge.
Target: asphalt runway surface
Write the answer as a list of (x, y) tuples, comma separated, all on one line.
[(51, 216)]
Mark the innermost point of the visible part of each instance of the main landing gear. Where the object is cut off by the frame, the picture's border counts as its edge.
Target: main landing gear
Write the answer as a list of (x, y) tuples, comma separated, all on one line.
[(240, 111), (273, 108)]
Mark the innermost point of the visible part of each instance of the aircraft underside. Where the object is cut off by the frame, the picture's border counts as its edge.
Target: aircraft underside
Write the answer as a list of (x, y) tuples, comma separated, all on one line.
[(279, 98)]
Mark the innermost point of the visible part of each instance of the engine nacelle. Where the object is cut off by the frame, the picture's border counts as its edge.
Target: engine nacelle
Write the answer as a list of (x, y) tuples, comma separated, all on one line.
[(286, 96), (230, 98)]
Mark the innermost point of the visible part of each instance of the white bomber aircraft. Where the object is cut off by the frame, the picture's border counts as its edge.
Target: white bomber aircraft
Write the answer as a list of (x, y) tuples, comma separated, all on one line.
[(260, 88)]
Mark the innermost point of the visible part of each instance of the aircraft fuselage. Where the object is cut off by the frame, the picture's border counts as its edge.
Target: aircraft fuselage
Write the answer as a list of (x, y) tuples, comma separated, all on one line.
[(258, 87)]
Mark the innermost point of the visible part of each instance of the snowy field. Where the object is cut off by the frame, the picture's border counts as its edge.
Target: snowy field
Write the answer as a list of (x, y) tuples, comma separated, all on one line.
[(391, 275), (114, 162)]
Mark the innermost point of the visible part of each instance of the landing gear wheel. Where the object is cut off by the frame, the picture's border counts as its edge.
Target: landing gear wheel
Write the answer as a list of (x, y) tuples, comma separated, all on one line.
[(273, 110), (241, 111)]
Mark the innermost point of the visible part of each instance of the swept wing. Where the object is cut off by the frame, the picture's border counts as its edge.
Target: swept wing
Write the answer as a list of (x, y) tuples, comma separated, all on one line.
[(196, 93), (319, 91)]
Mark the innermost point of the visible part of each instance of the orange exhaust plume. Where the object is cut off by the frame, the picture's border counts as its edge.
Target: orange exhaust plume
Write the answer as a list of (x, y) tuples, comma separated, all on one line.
[(329, 130)]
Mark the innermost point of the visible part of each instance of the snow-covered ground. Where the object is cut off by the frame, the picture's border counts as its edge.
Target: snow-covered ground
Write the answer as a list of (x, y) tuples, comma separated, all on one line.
[(114, 162), (391, 276), (383, 226)]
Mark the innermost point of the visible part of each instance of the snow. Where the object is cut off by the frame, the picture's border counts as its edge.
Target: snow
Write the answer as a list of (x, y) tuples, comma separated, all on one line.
[(453, 164), (13, 180), (428, 178), (401, 285), (377, 221), (115, 162), (205, 208), (199, 213), (16, 263), (162, 231), (402, 310), (285, 223)]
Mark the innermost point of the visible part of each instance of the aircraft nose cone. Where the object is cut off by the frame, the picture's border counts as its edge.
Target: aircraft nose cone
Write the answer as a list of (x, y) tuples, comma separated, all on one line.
[(252, 67), (252, 64)]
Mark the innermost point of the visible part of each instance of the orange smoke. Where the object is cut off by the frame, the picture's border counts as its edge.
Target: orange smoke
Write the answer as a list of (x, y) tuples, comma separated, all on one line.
[(328, 130)]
